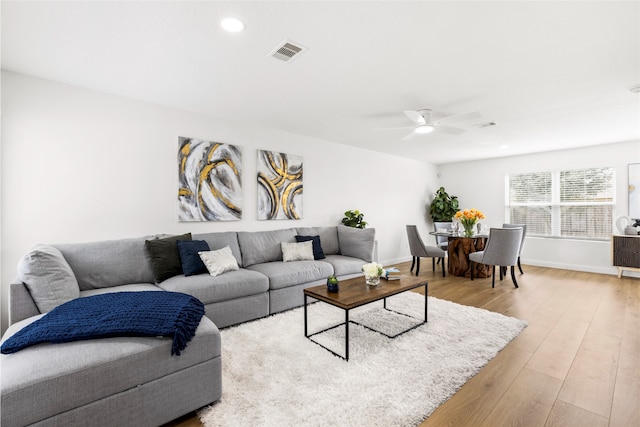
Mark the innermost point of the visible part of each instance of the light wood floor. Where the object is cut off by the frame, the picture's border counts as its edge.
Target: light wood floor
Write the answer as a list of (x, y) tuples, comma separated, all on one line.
[(576, 364)]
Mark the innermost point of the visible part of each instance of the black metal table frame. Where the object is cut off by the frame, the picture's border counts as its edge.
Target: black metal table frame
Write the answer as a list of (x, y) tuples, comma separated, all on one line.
[(347, 321)]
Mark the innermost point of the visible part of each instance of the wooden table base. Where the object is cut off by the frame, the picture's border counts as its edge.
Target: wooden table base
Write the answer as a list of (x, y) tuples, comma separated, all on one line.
[(459, 250)]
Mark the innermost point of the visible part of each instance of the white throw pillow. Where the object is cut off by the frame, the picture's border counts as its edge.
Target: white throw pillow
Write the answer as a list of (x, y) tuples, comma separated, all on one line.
[(48, 276), (302, 251), (220, 261)]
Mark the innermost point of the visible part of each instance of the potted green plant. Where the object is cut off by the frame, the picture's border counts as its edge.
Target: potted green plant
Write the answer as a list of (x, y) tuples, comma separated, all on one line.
[(443, 207), (354, 219), (332, 284)]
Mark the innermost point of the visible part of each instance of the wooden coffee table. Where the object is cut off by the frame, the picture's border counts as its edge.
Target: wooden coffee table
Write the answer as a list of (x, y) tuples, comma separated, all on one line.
[(355, 293)]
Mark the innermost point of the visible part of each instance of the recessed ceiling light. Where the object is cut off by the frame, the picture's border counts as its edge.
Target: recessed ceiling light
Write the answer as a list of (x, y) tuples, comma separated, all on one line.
[(503, 147), (233, 25)]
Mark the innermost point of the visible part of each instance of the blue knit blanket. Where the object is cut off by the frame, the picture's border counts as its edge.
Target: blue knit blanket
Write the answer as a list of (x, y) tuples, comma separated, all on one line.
[(132, 314)]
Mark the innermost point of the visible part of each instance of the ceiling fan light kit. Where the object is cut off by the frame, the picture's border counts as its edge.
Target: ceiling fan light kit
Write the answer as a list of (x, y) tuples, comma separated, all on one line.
[(233, 25), (424, 129)]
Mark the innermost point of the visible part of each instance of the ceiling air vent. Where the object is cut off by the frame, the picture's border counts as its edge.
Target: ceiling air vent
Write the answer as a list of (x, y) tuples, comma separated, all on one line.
[(287, 51)]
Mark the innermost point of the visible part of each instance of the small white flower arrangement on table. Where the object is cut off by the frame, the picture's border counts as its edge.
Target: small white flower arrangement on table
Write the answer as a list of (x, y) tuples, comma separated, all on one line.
[(373, 269), (372, 272)]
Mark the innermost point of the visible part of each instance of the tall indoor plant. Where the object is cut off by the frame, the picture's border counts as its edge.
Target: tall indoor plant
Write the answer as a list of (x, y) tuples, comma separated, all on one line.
[(443, 207)]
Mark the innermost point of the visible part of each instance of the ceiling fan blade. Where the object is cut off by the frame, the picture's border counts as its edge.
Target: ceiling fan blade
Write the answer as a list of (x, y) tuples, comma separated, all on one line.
[(409, 136), (450, 130), (404, 127), (415, 117), (462, 117)]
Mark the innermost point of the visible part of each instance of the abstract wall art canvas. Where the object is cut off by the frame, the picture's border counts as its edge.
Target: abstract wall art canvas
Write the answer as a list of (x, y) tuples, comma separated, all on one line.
[(279, 185), (210, 177)]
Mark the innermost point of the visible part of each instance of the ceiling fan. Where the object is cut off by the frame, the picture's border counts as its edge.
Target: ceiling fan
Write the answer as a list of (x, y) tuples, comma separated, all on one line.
[(425, 124)]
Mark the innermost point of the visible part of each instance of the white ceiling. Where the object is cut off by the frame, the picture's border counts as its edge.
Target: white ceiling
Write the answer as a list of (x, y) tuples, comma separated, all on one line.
[(551, 74)]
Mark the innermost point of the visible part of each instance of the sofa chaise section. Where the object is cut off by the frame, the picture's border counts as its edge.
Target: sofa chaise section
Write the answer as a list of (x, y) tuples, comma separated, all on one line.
[(111, 381)]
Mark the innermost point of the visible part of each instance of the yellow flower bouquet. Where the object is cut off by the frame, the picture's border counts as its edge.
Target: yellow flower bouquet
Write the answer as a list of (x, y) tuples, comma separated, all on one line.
[(469, 218)]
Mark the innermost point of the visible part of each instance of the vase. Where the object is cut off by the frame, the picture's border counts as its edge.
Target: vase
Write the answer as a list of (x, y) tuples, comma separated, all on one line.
[(469, 229), (372, 280)]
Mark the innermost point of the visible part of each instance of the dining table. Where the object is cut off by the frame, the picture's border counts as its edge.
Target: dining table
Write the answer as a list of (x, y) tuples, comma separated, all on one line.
[(458, 250)]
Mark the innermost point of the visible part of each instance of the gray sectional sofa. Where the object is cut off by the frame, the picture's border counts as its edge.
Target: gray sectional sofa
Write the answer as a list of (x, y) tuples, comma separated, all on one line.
[(134, 380)]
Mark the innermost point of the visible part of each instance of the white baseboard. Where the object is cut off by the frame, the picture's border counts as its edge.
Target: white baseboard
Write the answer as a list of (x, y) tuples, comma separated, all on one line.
[(395, 261), (579, 267), (560, 266)]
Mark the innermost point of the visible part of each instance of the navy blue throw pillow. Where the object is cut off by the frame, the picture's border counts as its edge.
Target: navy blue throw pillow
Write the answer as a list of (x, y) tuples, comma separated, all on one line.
[(318, 253), (191, 262)]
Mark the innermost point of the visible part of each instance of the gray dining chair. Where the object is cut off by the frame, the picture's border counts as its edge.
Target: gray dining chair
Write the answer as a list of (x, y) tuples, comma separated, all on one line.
[(501, 250), (442, 241), (420, 250), (524, 233)]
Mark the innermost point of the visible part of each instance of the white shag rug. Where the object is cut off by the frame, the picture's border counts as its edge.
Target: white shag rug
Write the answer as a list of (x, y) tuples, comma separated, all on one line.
[(273, 376)]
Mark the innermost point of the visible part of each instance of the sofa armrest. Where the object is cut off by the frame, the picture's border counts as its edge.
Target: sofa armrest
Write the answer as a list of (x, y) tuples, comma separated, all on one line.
[(21, 305)]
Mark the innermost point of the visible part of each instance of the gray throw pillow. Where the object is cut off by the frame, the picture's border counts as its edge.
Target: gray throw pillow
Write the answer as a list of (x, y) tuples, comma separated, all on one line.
[(48, 277), (357, 242)]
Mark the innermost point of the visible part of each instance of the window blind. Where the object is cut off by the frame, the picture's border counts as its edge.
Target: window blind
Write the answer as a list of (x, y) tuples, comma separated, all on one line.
[(571, 203)]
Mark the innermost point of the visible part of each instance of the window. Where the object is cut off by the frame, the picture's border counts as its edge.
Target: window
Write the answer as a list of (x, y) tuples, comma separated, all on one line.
[(574, 203)]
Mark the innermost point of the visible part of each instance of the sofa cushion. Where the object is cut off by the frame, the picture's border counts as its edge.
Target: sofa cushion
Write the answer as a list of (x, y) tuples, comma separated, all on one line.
[(48, 379), (228, 286), (108, 263), (189, 258), (328, 237), (284, 274), (318, 253), (344, 265), (220, 240), (357, 242), (263, 246), (165, 257), (302, 251), (48, 276), (220, 261)]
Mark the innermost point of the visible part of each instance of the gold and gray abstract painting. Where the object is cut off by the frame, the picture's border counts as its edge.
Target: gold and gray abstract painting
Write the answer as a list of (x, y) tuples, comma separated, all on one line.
[(210, 176), (279, 185)]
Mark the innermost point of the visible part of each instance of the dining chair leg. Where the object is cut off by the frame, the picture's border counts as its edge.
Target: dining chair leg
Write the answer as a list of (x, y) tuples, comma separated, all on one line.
[(519, 266), (417, 265), (472, 268), (513, 276), (443, 273), (413, 263), (493, 276), (501, 273), (433, 264)]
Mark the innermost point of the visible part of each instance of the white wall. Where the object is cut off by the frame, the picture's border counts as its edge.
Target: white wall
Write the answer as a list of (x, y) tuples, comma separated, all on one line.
[(79, 165), (481, 184)]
